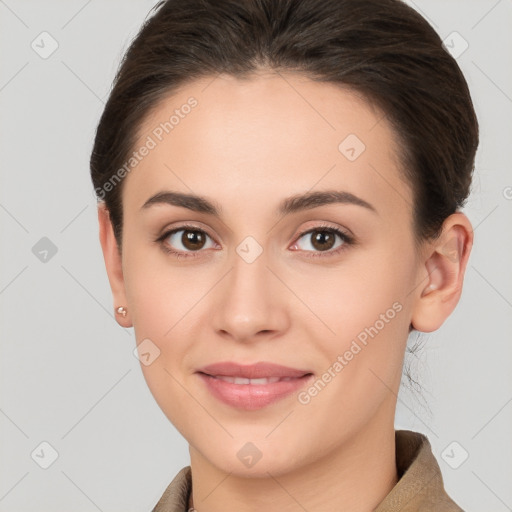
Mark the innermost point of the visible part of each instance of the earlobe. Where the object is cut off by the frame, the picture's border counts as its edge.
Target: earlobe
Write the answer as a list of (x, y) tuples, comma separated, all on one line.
[(113, 264), (442, 274)]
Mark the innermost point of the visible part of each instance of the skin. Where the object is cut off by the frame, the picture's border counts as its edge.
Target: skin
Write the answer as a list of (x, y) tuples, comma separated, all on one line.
[(248, 145)]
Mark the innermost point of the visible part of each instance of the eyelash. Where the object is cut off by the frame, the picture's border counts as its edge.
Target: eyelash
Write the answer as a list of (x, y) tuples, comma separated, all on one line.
[(346, 239)]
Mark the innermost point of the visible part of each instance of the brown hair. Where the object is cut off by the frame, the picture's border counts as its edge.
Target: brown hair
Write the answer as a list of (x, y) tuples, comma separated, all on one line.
[(382, 49)]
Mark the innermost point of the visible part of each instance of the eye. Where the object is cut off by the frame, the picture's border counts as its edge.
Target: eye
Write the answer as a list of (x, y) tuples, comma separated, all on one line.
[(322, 239), (189, 240), (186, 239)]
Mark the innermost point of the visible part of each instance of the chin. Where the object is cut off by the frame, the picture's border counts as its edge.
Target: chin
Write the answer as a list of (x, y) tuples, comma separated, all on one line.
[(250, 459)]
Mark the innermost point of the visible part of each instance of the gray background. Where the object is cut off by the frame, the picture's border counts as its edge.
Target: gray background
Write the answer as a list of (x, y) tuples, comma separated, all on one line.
[(68, 373)]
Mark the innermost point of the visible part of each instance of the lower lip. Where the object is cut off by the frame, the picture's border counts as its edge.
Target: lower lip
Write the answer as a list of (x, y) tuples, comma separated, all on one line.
[(252, 396)]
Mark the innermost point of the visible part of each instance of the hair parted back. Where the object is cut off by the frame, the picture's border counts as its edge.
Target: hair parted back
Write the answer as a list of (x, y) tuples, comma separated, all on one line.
[(382, 49)]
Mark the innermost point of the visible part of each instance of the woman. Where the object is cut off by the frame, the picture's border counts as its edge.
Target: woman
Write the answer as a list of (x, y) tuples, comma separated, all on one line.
[(280, 184)]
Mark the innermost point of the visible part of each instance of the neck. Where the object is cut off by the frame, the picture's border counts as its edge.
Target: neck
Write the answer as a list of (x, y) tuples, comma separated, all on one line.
[(355, 476)]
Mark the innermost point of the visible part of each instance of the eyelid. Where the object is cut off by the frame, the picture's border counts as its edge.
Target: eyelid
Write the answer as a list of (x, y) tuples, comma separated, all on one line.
[(326, 225), (184, 225)]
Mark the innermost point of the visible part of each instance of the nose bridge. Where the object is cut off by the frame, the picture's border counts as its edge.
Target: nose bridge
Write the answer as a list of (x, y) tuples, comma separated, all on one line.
[(248, 282), (248, 300)]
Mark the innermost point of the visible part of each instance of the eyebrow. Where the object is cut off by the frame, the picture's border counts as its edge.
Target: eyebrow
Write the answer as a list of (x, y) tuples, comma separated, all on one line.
[(296, 203)]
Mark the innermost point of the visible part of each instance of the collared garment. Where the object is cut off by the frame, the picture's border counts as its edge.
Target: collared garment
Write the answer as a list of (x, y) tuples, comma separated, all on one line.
[(420, 486)]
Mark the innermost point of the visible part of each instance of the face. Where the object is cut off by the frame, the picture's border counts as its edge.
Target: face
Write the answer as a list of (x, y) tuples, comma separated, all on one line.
[(301, 253)]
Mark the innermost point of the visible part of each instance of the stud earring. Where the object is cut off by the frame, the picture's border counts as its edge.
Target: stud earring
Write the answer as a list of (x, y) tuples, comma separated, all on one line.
[(121, 311)]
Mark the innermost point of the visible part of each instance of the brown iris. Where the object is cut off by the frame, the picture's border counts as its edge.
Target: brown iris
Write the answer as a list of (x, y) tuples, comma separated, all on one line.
[(193, 240), (322, 240)]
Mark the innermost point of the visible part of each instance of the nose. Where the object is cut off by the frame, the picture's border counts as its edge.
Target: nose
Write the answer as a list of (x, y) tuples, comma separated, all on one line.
[(250, 303)]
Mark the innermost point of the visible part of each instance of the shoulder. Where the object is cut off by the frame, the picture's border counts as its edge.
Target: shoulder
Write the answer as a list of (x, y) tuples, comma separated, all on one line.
[(420, 486), (175, 496)]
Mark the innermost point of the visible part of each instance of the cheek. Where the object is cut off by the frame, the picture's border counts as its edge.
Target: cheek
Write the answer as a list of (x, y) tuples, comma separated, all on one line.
[(352, 295), (167, 305), (155, 290), (161, 305), (363, 360), (365, 304)]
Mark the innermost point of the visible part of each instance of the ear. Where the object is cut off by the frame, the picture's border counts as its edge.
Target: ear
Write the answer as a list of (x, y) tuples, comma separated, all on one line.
[(442, 273), (113, 264)]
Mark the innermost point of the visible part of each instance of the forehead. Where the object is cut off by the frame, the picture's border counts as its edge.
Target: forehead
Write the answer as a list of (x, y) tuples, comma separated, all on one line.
[(273, 134)]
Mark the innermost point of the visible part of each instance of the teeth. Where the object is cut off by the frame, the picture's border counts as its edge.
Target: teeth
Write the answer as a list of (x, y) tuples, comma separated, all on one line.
[(242, 380)]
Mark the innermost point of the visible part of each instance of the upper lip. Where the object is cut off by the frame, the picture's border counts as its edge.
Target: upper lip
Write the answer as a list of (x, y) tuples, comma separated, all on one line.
[(251, 371)]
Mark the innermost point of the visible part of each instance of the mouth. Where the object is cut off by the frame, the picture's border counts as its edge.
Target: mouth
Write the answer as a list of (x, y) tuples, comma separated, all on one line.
[(254, 372), (252, 387)]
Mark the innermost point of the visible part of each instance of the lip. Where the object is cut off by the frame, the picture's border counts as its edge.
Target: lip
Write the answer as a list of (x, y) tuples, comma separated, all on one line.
[(252, 371), (252, 396)]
